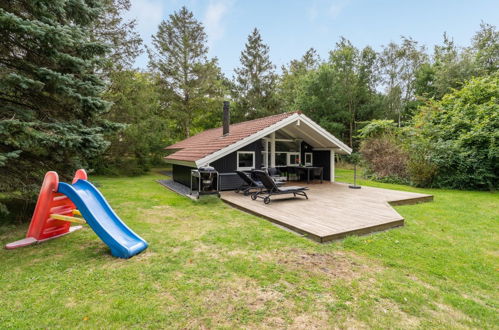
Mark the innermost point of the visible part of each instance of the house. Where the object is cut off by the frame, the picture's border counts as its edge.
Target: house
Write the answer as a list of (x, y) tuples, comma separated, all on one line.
[(282, 140)]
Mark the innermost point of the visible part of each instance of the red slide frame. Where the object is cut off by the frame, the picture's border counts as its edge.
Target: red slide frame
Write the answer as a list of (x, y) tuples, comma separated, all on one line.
[(42, 226)]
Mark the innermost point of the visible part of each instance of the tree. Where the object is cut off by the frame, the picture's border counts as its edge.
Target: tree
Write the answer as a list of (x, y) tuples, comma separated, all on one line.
[(292, 75), (486, 48), (50, 103), (136, 103), (459, 134), (119, 34), (255, 81), (189, 80), (399, 66)]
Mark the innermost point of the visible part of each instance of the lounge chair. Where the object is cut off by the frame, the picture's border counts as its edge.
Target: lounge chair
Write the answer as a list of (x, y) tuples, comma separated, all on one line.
[(276, 174), (248, 184), (271, 188)]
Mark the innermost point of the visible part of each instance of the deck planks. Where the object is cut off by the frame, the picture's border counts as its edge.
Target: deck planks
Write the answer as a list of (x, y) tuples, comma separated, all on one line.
[(332, 211)]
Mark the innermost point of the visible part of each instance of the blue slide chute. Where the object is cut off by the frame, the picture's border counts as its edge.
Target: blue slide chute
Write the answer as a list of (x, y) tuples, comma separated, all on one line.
[(122, 241)]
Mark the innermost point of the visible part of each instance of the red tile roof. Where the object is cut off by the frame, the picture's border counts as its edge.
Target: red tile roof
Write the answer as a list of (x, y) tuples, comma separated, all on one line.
[(212, 140)]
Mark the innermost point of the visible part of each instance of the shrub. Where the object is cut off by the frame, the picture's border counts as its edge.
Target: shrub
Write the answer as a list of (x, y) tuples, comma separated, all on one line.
[(459, 136), (385, 158)]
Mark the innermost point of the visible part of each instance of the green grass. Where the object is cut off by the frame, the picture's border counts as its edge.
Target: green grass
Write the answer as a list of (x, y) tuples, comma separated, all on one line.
[(212, 266)]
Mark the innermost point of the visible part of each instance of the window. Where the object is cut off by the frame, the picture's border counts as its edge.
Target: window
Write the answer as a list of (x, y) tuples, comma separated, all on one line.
[(293, 158), (308, 159), (281, 159), (245, 160)]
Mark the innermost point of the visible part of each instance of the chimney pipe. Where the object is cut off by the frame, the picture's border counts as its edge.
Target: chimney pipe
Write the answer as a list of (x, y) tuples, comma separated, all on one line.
[(226, 118)]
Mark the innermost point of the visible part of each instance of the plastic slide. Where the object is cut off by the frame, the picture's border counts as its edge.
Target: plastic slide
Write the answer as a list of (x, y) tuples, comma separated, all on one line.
[(122, 241), (60, 204)]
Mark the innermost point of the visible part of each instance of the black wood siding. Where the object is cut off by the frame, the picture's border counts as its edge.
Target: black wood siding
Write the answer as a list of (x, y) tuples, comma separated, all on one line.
[(182, 174), (228, 164), (323, 158)]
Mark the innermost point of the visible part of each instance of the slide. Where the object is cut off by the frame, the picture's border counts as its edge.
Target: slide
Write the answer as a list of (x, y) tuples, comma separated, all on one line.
[(122, 241)]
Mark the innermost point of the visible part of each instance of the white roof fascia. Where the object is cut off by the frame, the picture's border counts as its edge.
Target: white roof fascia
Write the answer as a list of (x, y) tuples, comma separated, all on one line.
[(247, 140)]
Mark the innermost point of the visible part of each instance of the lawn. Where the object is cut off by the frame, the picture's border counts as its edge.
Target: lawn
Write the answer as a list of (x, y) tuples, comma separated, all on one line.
[(211, 266)]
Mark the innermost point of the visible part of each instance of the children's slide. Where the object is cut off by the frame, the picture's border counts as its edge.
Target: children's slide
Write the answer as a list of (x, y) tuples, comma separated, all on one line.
[(122, 241), (60, 204)]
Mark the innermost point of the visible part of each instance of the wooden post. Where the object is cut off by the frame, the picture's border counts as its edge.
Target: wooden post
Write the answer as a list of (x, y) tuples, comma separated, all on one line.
[(332, 166), (272, 149)]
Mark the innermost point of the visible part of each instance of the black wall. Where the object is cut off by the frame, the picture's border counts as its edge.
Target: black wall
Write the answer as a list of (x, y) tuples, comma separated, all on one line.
[(182, 174), (323, 158), (229, 163)]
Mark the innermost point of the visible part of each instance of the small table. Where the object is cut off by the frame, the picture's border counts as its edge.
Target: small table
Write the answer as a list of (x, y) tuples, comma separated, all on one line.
[(307, 169)]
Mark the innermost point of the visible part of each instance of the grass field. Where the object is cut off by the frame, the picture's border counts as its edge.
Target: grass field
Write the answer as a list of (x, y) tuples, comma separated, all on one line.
[(211, 266)]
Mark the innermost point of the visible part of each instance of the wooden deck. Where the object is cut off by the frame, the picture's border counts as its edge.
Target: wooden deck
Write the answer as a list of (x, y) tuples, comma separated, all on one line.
[(332, 211)]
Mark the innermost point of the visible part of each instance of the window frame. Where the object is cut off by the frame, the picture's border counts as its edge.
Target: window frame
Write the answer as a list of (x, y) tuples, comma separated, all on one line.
[(245, 168), (311, 159), (288, 158)]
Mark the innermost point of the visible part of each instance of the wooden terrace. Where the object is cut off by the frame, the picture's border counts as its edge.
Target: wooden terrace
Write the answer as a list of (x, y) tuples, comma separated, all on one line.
[(333, 211)]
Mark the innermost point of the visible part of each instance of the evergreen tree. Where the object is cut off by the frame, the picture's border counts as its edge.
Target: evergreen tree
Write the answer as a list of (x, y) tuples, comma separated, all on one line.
[(255, 81), (190, 81), (50, 104), (119, 34)]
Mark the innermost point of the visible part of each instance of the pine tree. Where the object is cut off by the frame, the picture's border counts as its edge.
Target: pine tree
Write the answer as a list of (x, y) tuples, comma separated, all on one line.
[(256, 81), (120, 34), (189, 79), (50, 100)]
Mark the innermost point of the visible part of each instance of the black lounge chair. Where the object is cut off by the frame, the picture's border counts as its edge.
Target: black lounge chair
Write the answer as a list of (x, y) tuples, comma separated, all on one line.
[(276, 174), (271, 188), (248, 184)]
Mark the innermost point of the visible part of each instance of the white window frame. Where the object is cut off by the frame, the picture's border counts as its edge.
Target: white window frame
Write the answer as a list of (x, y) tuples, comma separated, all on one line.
[(311, 159), (245, 168), (288, 159)]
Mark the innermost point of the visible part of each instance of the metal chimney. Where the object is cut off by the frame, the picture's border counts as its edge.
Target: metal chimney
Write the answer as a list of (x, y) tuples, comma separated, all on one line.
[(226, 118)]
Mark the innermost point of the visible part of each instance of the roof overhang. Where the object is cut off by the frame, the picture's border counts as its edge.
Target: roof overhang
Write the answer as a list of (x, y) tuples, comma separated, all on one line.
[(309, 131), (181, 162)]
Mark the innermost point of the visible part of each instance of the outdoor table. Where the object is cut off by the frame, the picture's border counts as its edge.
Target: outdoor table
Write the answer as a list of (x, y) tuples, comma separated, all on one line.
[(306, 169)]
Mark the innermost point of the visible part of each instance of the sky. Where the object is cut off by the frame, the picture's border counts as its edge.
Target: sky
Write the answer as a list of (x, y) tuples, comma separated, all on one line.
[(291, 27)]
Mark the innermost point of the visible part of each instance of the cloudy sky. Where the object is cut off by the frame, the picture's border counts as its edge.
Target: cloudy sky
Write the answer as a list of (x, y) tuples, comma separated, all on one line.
[(291, 27)]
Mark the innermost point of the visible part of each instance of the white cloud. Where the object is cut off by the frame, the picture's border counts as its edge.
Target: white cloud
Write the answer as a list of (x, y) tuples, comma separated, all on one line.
[(213, 19), (148, 13), (324, 8), (337, 7)]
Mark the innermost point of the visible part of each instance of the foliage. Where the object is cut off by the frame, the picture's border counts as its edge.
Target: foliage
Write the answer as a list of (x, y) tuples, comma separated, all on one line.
[(377, 128), (51, 108), (190, 82), (461, 133), (135, 97), (290, 81), (399, 66), (452, 142), (255, 81), (385, 158), (341, 92), (119, 34)]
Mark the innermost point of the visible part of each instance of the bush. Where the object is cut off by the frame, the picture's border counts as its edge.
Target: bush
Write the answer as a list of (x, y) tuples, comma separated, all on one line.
[(385, 159), (459, 135)]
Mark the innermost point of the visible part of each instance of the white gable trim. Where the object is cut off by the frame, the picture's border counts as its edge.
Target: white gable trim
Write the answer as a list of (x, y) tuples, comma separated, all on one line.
[(266, 131), (326, 134), (247, 140)]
